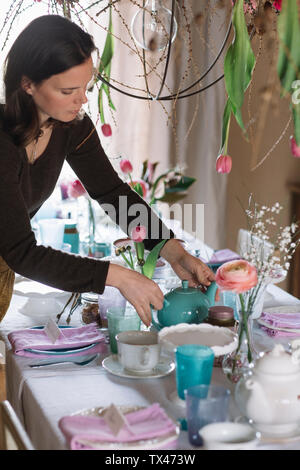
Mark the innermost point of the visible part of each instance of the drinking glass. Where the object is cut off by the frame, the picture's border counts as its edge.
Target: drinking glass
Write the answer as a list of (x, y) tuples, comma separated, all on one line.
[(52, 232), (205, 404), (194, 366), (121, 319)]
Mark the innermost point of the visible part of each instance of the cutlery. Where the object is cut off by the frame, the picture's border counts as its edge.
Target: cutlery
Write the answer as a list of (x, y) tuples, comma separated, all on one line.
[(78, 363)]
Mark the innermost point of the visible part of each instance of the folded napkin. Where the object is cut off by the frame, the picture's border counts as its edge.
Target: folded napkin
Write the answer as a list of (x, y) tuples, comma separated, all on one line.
[(271, 332), (272, 321), (222, 256), (69, 338), (147, 423), (282, 320)]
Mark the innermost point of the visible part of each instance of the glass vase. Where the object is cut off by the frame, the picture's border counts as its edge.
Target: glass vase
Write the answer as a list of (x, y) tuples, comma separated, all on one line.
[(241, 361)]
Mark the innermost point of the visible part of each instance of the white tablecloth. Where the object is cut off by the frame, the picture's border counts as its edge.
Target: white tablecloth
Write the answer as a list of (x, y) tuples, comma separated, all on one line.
[(42, 396)]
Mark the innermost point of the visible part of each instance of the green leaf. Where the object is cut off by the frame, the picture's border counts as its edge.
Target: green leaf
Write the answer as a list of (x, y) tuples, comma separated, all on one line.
[(100, 106), (296, 118), (108, 50), (183, 184), (288, 65), (150, 263), (144, 169), (170, 198), (138, 188), (239, 62), (139, 248)]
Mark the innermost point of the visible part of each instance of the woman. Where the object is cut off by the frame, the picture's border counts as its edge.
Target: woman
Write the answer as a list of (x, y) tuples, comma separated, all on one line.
[(47, 73)]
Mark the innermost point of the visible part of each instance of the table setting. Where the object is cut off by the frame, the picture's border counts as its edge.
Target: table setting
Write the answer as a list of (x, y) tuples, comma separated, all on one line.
[(65, 376)]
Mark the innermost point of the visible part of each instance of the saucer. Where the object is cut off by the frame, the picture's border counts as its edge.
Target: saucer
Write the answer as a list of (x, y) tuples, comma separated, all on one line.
[(163, 368)]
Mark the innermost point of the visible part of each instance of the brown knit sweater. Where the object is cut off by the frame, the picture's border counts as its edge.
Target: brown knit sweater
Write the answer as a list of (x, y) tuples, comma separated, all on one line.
[(23, 189)]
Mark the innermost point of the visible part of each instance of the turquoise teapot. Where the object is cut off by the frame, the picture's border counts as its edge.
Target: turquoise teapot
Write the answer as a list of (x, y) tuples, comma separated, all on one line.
[(184, 305)]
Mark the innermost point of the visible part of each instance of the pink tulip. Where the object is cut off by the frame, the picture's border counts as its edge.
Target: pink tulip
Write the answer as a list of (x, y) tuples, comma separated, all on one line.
[(277, 4), (76, 189), (237, 276), (224, 164), (126, 166), (295, 149), (138, 234), (144, 186), (106, 130)]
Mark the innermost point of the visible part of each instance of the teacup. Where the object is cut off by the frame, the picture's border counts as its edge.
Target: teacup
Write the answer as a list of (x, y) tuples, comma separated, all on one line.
[(138, 351)]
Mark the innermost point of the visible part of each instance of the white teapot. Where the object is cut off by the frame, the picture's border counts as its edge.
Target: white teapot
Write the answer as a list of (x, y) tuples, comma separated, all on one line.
[(270, 397)]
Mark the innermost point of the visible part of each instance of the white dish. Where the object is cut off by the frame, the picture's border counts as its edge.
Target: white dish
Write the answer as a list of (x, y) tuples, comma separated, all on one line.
[(283, 309), (163, 368), (220, 339), (161, 442), (35, 289), (229, 436), (41, 309), (269, 438)]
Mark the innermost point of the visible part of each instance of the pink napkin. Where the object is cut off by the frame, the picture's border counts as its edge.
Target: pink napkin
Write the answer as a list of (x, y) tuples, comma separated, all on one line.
[(280, 320), (69, 338), (147, 423), (222, 256)]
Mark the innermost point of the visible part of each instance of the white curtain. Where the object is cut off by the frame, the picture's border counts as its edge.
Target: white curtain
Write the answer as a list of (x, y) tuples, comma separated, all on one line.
[(142, 129)]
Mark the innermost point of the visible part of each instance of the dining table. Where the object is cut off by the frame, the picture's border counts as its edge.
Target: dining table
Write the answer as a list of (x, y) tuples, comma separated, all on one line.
[(42, 396)]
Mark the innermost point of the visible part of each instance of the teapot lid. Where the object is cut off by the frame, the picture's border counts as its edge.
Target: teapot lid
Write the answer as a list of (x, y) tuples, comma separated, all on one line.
[(185, 289), (277, 362)]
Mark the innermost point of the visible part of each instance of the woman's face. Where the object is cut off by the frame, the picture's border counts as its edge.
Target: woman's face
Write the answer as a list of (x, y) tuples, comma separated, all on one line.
[(61, 96)]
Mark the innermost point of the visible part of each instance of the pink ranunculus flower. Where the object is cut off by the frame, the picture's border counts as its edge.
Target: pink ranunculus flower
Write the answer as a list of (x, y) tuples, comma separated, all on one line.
[(106, 130), (76, 189), (295, 149), (224, 164), (237, 276), (138, 234), (126, 166)]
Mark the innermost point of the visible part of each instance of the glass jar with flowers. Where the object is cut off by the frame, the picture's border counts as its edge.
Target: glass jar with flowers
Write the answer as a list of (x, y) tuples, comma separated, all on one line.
[(240, 276)]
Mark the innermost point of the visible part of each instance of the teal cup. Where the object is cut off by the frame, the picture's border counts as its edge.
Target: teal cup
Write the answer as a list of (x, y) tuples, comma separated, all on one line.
[(121, 319), (194, 366)]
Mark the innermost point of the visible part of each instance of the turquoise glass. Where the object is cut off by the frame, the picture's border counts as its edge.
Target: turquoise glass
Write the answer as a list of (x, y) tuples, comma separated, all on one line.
[(194, 366)]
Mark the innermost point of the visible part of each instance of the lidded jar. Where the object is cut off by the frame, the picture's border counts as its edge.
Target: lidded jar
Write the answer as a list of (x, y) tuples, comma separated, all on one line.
[(221, 315), (90, 308)]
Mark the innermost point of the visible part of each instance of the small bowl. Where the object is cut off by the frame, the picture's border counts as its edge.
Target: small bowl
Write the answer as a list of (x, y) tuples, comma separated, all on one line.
[(229, 436), (220, 339)]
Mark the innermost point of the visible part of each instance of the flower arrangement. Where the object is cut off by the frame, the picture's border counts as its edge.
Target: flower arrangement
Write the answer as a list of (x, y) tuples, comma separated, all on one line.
[(147, 267), (269, 247), (172, 184), (240, 276)]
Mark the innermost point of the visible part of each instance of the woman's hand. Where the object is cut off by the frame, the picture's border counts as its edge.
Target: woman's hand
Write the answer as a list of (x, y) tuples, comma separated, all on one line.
[(187, 266), (137, 289)]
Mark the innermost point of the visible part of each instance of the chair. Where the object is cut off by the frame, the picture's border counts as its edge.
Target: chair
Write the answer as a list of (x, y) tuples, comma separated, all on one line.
[(12, 433), (246, 240)]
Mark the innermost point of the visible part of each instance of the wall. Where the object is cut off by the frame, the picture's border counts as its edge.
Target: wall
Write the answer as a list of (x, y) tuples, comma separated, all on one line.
[(269, 182)]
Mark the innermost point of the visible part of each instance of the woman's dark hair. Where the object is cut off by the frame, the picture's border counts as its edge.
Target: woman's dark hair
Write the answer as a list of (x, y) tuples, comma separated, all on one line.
[(49, 45)]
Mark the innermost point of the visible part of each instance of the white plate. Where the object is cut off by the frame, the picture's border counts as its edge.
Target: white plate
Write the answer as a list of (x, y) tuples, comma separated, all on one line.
[(160, 442), (35, 289), (163, 368)]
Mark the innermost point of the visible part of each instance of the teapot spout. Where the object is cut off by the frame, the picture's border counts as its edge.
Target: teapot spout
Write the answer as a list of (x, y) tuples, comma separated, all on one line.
[(211, 293)]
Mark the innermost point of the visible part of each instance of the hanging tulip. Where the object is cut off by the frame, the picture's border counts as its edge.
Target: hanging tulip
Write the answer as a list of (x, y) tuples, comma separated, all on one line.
[(224, 164), (106, 130), (295, 149)]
